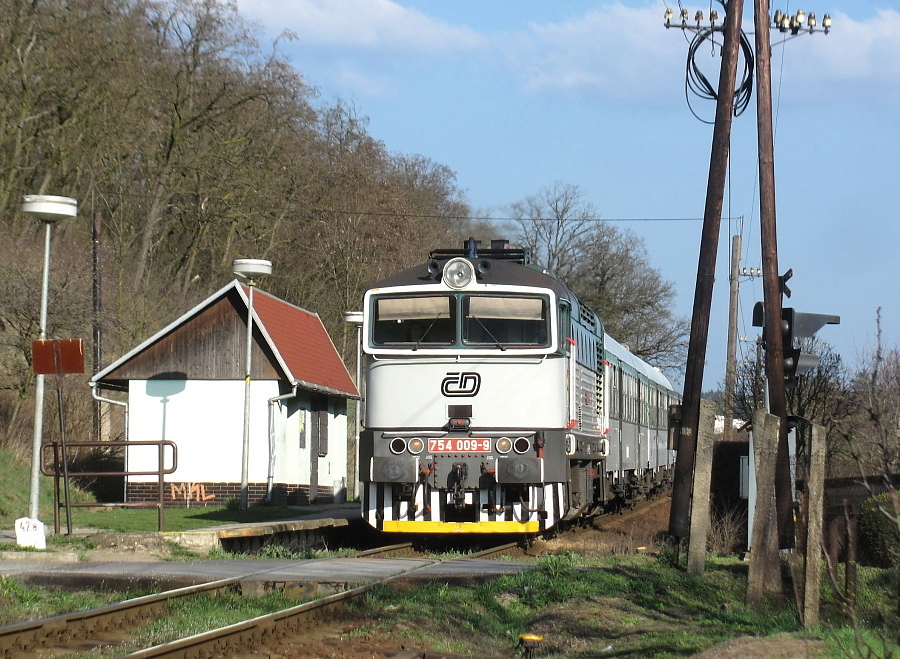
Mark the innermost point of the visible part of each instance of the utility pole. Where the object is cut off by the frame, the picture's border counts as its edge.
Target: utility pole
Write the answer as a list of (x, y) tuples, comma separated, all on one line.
[(715, 191), (730, 365), (771, 282)]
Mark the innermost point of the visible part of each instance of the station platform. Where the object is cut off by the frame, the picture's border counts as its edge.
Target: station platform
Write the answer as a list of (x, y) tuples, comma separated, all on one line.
[(315, 528), (306, 530)]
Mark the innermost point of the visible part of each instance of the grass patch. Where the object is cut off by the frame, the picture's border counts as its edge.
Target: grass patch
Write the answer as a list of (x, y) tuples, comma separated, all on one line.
[(195, 615), (19, 603), (15, 485), (145, 520), (623, 606), (15, 488)]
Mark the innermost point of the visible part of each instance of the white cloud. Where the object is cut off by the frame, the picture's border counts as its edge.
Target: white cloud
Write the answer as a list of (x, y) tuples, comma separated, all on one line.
[(374, 25), (625, 52), (862, 50), (610, 50), (613, 49)]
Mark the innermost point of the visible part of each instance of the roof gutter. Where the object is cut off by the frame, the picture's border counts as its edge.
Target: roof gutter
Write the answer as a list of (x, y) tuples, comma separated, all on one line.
[(96, 396)]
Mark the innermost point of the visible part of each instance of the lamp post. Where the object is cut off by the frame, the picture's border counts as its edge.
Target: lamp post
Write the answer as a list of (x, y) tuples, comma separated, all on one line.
[(356, 318), (49, 210), (251, 270)]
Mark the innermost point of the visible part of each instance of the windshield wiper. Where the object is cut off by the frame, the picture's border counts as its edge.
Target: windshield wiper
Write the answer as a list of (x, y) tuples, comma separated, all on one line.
[(493, 338), (425, 333)]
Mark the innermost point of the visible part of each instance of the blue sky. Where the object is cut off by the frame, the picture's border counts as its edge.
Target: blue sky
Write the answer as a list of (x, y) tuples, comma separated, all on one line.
[(514, 96)]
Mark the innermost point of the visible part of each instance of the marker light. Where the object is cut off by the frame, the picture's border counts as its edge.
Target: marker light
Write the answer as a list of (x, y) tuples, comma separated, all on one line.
[(398, 445), (458, 273), (521, 444)]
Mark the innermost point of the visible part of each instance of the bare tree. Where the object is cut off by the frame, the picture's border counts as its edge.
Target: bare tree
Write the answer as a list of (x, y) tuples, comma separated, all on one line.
[(553, 224), (196, 148), (608, 269), (821, 396), (872, 436)]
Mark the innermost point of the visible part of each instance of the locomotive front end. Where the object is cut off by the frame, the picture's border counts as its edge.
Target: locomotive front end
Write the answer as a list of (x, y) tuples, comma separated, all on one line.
[(466, 399)]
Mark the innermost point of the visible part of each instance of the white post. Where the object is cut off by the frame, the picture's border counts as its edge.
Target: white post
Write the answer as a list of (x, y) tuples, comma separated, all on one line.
[(49, 210), (245, 448), (249, 269)]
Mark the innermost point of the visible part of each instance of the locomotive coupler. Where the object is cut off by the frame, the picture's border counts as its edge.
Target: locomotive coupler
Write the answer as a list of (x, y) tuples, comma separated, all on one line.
[(459, 473)]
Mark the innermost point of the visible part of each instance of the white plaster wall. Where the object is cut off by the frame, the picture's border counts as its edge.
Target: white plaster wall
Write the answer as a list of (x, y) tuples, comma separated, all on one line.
[(205, 418)]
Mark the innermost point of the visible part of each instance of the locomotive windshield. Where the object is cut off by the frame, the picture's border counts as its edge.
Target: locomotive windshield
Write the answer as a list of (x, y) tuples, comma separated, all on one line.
[(486, 321), (504, 321), (414, 320)]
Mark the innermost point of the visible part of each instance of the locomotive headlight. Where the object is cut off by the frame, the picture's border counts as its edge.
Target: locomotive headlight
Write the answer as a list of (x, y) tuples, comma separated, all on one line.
[(504, 445), (398, 445), (415, 445), (521, 445), (458, 273)]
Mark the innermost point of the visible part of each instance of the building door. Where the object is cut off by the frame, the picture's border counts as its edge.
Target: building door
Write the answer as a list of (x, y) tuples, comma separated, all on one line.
[(318, 444)]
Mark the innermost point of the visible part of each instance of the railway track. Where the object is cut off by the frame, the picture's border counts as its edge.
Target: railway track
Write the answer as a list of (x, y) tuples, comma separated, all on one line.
[(100, 626)]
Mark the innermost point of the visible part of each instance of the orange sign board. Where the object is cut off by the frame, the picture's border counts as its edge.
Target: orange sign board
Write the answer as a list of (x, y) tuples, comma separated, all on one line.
[(62, 356)]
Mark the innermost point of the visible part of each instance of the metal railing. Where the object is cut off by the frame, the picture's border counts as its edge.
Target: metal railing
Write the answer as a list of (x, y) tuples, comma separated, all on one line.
[(60, 469)]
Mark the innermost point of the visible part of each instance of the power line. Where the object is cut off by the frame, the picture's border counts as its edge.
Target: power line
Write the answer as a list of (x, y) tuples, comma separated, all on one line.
[(475, 218)]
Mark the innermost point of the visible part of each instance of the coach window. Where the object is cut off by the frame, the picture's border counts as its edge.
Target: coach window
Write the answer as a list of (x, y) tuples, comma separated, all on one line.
[(414, 320), (505, 321), (614, 393)]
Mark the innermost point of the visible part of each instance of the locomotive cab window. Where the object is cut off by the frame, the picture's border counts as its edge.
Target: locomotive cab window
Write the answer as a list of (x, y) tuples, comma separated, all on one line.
[(414, 320), (505, 321)]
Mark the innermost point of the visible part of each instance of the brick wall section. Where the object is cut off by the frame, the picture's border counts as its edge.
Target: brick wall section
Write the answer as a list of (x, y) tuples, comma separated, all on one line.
[(200, 495)]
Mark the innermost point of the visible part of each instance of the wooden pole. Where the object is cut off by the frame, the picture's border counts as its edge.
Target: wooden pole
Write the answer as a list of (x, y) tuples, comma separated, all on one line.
[(706, 269), (771, 280), (731, 356)]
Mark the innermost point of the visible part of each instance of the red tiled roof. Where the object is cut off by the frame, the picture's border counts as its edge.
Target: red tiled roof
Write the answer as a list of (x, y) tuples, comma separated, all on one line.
[(302, 342)]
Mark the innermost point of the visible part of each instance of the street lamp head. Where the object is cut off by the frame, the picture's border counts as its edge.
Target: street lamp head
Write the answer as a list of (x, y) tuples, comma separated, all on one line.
[(49, 208), (353, 317), (251, 269)]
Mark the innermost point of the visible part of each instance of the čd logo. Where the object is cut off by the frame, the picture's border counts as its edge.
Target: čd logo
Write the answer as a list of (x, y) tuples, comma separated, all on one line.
[(461, 384)]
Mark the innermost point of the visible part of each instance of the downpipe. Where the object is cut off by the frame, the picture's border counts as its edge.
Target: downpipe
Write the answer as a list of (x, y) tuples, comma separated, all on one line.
[(270, 475)]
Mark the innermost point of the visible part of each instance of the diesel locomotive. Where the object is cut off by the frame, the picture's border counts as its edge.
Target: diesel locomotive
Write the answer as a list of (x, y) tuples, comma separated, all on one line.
[(496, 403)]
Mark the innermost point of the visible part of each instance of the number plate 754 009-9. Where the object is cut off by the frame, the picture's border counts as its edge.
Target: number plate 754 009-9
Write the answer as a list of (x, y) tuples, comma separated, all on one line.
[(459, 445)]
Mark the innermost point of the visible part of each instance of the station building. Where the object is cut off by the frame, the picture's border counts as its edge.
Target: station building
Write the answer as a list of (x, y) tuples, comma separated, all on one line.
[(186, 384)]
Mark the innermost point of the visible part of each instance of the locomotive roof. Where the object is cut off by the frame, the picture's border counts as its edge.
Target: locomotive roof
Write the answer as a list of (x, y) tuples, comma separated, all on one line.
[(502, 271)]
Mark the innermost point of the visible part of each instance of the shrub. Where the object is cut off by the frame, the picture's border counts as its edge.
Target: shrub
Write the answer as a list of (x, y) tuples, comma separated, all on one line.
[(879, 533)]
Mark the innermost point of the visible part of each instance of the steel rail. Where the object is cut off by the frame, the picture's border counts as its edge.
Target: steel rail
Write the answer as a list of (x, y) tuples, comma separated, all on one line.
[(26, 637), (23, 637), (231, 639)]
